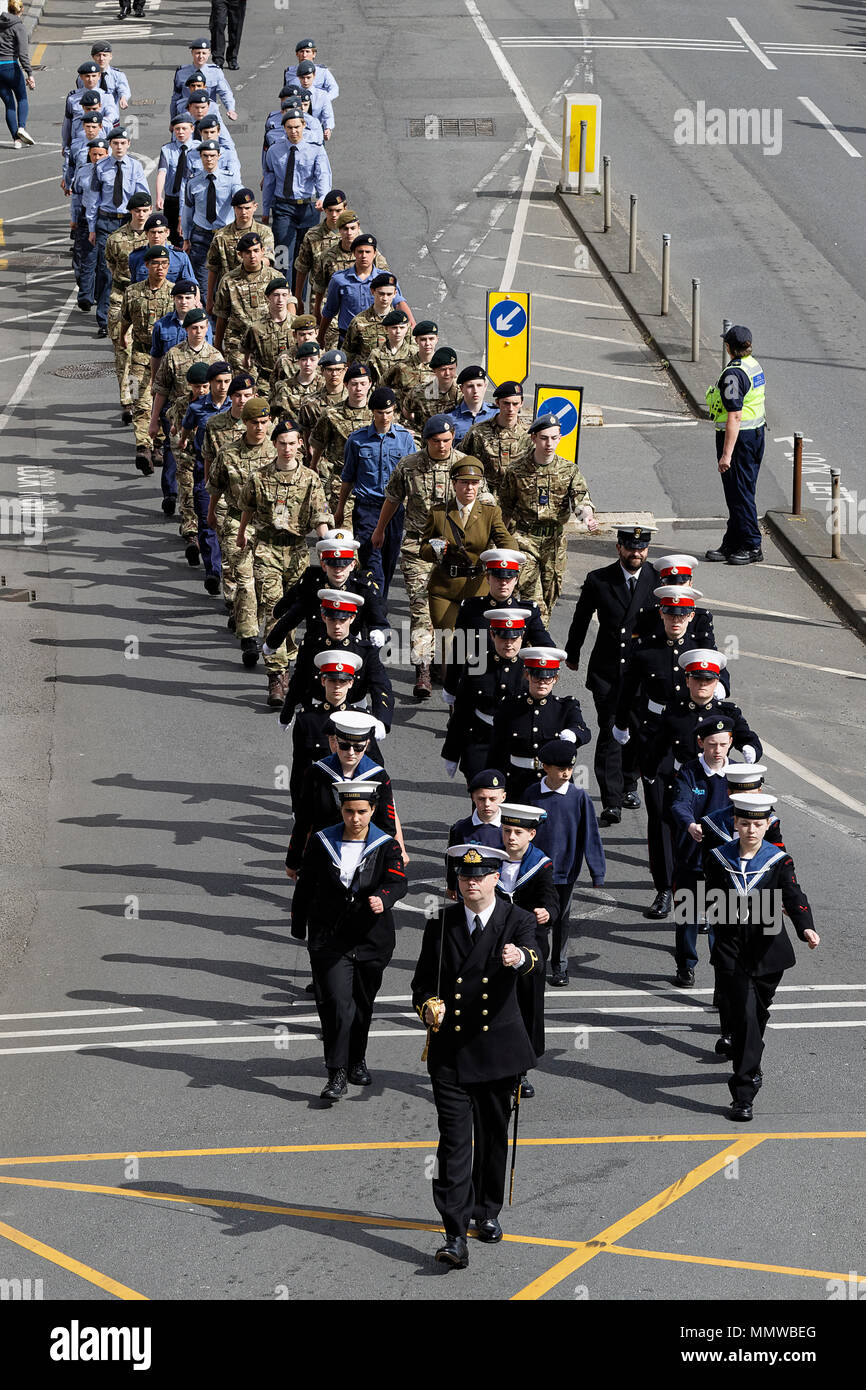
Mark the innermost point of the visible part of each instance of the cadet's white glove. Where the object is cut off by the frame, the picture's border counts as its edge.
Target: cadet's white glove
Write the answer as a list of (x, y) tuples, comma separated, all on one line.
[(377, 637), (266, 650), (450, 768), (569, 735), (379, 730), (720, 693), (286, 727), (749, 753), (439, 547), (621, 735), (449, 699)]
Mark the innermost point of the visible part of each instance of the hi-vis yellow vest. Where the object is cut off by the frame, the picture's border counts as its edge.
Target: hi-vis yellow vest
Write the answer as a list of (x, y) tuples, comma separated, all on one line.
[(753, 401)]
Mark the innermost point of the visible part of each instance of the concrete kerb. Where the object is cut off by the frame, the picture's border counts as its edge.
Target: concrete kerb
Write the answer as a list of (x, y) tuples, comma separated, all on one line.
[(33, 15), (841, 583)]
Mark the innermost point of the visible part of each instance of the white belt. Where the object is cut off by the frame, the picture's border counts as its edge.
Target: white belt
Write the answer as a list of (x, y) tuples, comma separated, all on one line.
[(524, 762), (654, 708), (485, 718)]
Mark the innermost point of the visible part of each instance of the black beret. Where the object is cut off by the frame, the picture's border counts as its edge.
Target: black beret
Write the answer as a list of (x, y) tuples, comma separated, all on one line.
[(283, 426), (309, 349), (242, 197), (558, 752), (217, 369), (381, 398), (507, 388), (382, 281), (444, 357), (395, 317), (89, 67), (364, 239), (91, 99), (278, 283), (89, 116), (102, 47), (336, 195), (156, 253), (184, 287), (424, 326), (211, 146), (197, 373), (305, 43), (305, 67), (471, 374), (437, 424), (241, 382), (139, 200), (291, 89), (180, 118), (118, 132), (358, 369), (249, 240), (199, 43), (195, 79), (490, 777), (156, 219), (99, 142)]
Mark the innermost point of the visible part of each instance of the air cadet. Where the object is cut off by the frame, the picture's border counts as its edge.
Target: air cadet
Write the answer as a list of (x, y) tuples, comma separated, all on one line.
[(351, 290), (80, 99), (370, 456), (157, 228), (538, 494), (93, 125), (617, 594), (292, 386), (500, 439), (241, 300), (142, 305), (316, 245), (283, 501), (119, 246), (267, 339), (367, 330), (218, 88), (115, 180), (222, 253), (226, 427), (404, 376), (464, 990), (333, 366), (419, 480), (524, 723), (207, 127), (83, 251), (191, 491), (320, 103), (339, 569), (169, 385), (297, 176), (228, 473), (333, 427), (296, 104), (111, 79), (178, 160), (471, 410), (206, 207), (305, 51), (456, 533), (338, 610), (341, 256), (480, 691), (438, 396), (226, 28), (398, 349), (736, 405)]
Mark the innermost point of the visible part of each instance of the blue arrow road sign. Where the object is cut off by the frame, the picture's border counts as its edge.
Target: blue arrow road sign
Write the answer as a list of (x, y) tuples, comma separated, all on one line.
[(508, 319), (564, 411)]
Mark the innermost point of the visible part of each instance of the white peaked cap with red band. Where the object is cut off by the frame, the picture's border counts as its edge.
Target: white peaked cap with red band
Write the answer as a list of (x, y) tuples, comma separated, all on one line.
[(338, 663), (339, 601), (502, 559), (507, 619), (543, 659), (675, 564), (339, 545), (703, 662), (677, 596)]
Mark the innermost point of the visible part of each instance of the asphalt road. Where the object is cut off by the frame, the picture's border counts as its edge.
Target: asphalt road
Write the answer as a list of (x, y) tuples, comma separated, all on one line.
[(158, 1055)]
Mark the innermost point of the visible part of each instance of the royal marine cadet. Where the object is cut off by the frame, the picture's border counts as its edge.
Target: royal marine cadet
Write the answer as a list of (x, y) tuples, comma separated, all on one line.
[(141, 306), (119, 246), (339, 569), (524, 723), (284, 502), (267, 341), (538, 495), (222, 253), (241, 302), (456, 533), (502, 567), (328, 436), (481, 690), (502, 439), (676, 570), (338, 610)]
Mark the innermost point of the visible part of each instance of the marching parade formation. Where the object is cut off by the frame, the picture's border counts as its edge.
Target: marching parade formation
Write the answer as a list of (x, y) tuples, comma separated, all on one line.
[(311, 436)]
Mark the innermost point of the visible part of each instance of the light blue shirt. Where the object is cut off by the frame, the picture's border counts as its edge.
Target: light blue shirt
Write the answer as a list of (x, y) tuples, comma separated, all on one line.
[(324, 78), (312, 178), (462, 418), (168, 160), (194, 209), (348, 295), (115, 83), (218, 88), (77, 153), (321, 108), (72, 116), (100, 197)]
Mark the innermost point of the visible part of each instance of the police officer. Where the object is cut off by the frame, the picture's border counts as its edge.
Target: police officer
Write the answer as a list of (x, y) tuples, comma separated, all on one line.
[(464, 990), (471, 410), (538, 495), (524, 723), (456, 533), (736, 405), (500, 439)]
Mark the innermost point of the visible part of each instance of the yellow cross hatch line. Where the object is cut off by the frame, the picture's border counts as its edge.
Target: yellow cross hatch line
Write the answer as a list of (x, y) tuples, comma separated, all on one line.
[(57, 1257), (726, 1264)]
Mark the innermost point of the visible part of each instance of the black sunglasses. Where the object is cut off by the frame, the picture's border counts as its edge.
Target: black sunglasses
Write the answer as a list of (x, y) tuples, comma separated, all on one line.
[(344, 745)]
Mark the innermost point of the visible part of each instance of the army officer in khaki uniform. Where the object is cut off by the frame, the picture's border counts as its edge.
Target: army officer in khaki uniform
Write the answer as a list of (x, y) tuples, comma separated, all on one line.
[(457, 531)]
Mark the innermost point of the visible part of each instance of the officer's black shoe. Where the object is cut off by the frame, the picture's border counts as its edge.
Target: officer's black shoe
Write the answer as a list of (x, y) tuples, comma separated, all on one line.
[(527, 1090), (684, 978), (740, 1110), (102, 331), (213, 584), (559, 978), (489, 1231), (193, 554), (232, 65), (758, 1079), (231, 622), (169, 505), (660, 906), (220, 62), (138, 8), (336, 1087), (631, 801), (124, 11), (358, 1074), (85, 305), (717, 557), (745, 557), (143, 460), (455, 1252), (126, 415), (249, 651), (611, 815), (724, 1046)]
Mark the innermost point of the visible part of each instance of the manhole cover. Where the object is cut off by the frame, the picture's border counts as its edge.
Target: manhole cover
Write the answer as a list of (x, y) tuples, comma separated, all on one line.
[(38, 262), (450, 127), (82, 371)]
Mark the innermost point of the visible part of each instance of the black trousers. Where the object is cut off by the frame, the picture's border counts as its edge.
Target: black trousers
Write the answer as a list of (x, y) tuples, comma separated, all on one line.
[(615, 766), (226, 14), (346, 991), (562, 928), (469, 1183), (745, 1004), (530, 993), (658, 835)]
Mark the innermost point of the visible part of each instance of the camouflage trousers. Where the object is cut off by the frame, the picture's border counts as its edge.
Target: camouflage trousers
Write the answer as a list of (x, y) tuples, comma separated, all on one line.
[(187, 519), (139, 371), (122, 356), (332, 482), (275, 569), (237, 572), (543, 571), (233, 347), (416, 573)]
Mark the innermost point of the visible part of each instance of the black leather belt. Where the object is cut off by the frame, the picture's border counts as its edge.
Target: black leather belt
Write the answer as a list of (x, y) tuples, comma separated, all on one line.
[(462, 571)]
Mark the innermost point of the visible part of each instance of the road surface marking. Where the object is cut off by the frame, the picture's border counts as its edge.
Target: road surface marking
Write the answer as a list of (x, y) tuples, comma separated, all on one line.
[(750, 44), (597, 338), (511, 259), (57, 1257), (808, 665), (764, 612), (17, 187), (829, 127), (73, 1013), (608, 376), (803, 772), (514, 83), (28, 216), (725, 1264), (807, 810), (24, 384)]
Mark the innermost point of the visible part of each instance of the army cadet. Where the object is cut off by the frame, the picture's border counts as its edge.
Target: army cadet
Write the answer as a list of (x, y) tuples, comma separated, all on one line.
[(292, 385), (332, 365), (191, 492), (419, 480), (752, 949), (736, 405), (480, 691), (405, 375), (222, 255), (169, 384), (352, 874), (141, 306), (218, 88), (524, 723), (314, 248), (502, 567), (330, 432), (340, 256), (500, 439), (398, 348), (436, 397), (526, 879), (182, 455), (115, 180), (156, 230), (618, 594), (456, 533), (303, 331), (305, 51), (265, 341), (228, 473), (206, 208), (225, 427), (111, 79), (351, 290), (240, 301), (367, 330), (338, 609), (471, 409), (118, 246), (370, 456), (283, 501), (538, 494), (339, 569), (464, 990), (484, 826)]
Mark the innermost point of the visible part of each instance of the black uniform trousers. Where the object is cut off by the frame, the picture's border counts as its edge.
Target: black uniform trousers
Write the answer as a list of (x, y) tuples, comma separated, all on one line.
[(740, 483), (226, 14), (615, 766), (658, 835), (346, 991), (530, 993), (744, 1004), (469, 1183), (562, 927)]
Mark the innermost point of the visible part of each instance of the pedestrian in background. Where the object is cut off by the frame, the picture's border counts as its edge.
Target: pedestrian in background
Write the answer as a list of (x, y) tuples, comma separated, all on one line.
[(226, 15), (16, 74)]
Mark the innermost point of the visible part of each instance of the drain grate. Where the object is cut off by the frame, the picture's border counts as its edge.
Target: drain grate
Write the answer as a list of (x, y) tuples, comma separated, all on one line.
[(83, 371), (39, 262), (17, 595), (450, 127)]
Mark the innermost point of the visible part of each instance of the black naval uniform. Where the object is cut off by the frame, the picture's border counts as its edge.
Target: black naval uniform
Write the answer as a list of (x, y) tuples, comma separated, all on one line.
[(316, 803), (619, 608), (468, 831), (534, 887), (371, 678), (471, 619), (302, 604), (475, 1058), (310, 738), (522, 725), (470, 728)]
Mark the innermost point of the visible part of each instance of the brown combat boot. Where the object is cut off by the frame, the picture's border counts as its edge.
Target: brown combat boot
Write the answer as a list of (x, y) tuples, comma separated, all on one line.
[(423, 687), (276, 693)]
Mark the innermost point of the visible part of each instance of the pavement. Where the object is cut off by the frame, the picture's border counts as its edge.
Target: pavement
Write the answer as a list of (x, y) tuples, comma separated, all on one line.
[(159, 1057)]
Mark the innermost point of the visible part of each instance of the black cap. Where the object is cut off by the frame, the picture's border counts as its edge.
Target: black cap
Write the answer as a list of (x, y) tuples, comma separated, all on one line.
[(278, 283), (395, 317), (283, 426), (471, 374), (635, 537), (194, 316), (156, 253), (248, 241), (103, 46), (242, 382), (385, 280), (139, 200), (424, 326), (489, 777), (364, 239), (737, 337), (437, 424), (91, 99), (305, 43), (212, 145), (444, 357), (217, 369), (242, 197), (88, 67), (336, 195), (307, 66), (358, 369), (475, 861), (184, 287), (381, 398), (156, 219), (197, 373), (507, 388), (558, 752)]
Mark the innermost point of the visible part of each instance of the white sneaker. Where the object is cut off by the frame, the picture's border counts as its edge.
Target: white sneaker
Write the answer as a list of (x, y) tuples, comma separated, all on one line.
[(16, 145), (25, 136)]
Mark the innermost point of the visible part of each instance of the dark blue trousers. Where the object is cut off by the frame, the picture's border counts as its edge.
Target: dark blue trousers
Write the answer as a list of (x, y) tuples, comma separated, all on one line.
[(740, 484), (290, 222), (84, 263), (207, 537), (381, 563), (199, 245)]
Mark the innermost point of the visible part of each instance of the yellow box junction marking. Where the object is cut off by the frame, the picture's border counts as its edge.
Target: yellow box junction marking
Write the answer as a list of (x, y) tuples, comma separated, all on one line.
[(57, 1257)]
